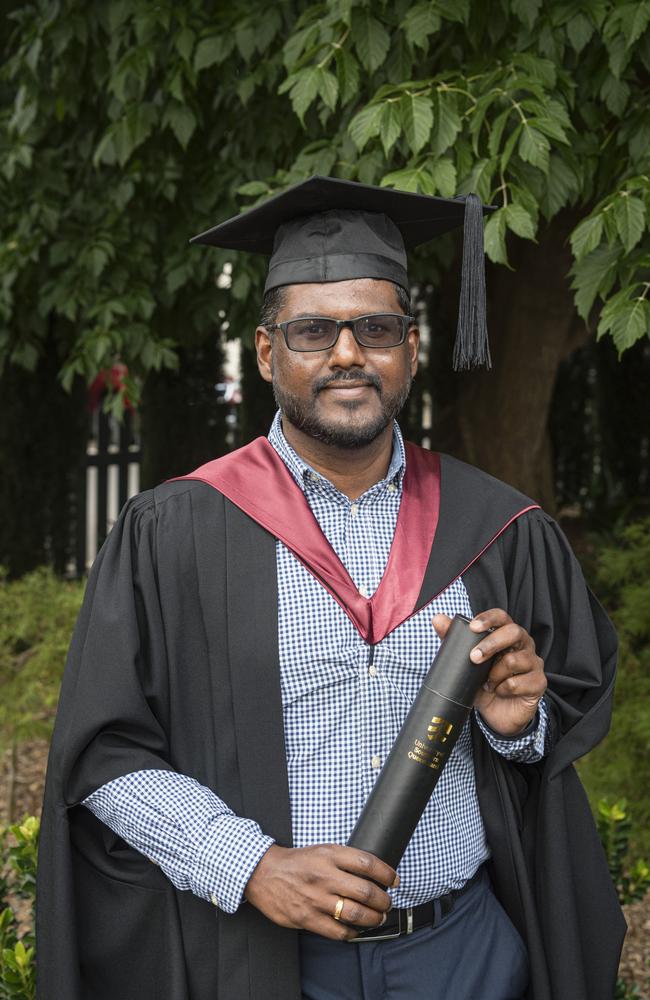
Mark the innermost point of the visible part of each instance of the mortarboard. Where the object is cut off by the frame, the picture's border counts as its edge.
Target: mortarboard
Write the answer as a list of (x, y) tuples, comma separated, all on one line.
[(325, 229)]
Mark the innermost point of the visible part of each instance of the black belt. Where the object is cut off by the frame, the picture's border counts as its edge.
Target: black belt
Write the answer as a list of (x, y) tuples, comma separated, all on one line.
[(399, 922)]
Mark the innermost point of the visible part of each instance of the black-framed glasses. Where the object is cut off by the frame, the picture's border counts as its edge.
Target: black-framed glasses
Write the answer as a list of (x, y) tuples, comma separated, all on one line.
[(320, 333)]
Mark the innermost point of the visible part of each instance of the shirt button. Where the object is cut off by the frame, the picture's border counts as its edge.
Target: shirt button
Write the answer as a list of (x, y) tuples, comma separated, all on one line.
[(392, 488), (376, 762), (354, 509), (372, 670), (363, 590), (213, 899), (314, 477)]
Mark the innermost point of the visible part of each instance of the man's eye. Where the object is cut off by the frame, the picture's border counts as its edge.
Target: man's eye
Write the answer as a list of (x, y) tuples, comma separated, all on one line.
[(312, 330)]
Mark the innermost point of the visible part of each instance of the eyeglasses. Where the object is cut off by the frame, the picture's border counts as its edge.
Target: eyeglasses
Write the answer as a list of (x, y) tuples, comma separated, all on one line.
[(318, 333)]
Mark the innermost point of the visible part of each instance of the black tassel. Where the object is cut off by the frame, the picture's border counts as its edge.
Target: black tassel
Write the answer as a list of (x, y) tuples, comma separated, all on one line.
[(472, 348)]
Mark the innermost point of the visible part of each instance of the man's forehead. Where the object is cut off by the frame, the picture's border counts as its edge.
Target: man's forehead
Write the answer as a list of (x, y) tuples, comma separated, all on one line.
[(340, 299)]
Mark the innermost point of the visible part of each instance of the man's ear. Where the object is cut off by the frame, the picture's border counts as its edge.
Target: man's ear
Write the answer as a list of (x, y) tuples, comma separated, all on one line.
[(264, 351), (413, 341)]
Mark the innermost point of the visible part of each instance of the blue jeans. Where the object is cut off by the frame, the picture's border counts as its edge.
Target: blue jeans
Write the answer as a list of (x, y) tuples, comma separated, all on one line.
[(474, 953)]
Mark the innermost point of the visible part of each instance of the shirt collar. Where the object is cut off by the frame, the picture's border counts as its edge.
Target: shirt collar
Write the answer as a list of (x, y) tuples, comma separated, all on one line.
[(308, 479)]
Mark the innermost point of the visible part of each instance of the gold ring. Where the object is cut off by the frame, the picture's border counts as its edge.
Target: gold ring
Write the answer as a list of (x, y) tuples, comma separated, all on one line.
[(338, 909)]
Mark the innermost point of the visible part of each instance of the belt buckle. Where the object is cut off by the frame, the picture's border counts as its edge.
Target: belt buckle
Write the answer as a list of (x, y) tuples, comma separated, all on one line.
[(388, 937)]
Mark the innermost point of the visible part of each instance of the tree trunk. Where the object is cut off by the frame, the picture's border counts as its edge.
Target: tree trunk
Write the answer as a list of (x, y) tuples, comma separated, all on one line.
[(498, 419)]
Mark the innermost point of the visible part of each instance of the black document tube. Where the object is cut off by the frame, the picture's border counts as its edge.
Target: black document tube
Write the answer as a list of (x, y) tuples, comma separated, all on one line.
[(423, 746)]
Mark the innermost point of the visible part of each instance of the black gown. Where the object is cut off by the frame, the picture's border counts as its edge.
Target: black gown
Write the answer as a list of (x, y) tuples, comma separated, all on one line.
[(174, 665)]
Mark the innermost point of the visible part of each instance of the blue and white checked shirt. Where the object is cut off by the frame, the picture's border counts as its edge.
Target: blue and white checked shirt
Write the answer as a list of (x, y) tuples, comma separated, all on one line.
[(343, 704)]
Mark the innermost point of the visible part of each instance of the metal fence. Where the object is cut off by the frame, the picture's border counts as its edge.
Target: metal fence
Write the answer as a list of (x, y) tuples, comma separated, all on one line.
[(111, 476)]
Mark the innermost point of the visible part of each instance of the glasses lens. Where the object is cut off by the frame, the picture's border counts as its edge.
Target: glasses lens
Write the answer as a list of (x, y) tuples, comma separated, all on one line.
[(380, 330), (310, 334)]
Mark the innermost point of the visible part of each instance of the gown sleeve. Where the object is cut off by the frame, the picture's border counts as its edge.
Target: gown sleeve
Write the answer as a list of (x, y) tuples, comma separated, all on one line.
[(109, 719), (532, 572)]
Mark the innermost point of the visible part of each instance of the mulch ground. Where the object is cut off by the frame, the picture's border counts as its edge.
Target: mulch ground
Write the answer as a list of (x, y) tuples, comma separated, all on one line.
[(28, 792)]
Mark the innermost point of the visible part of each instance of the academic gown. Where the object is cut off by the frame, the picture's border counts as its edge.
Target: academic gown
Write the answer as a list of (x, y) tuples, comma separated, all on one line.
[(174, 665)]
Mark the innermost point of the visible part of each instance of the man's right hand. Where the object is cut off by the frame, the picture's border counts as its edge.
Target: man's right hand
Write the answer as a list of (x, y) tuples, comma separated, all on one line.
[(300, 887)]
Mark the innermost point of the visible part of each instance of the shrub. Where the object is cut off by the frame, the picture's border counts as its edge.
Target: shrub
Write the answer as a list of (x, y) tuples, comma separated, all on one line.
[(620, 767), (17, 883), (37, 615)]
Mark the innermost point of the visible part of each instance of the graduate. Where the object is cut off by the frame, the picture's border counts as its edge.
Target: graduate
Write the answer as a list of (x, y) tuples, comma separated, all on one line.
[(251, 639)]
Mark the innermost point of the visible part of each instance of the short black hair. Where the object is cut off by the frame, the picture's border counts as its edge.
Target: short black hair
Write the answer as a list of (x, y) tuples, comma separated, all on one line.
[(276, 297)]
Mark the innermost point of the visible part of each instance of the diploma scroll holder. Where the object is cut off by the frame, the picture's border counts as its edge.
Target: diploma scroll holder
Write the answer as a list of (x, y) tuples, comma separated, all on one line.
[(422, 748)]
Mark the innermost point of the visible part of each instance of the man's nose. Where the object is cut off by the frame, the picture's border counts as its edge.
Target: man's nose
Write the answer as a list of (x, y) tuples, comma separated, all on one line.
[(346, 353)]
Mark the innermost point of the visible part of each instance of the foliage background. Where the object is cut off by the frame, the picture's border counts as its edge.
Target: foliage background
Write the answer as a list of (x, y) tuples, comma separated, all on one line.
[(127, 126)]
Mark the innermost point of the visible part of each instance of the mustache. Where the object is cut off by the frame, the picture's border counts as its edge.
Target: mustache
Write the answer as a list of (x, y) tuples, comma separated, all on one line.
[(348, 376)]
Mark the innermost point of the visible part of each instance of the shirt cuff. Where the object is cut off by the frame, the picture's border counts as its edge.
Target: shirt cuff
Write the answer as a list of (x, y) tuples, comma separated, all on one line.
[(227, 858), (528, 746)]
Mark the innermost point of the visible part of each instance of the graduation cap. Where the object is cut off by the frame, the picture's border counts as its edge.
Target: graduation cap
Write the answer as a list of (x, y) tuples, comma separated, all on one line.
[(325, 229)]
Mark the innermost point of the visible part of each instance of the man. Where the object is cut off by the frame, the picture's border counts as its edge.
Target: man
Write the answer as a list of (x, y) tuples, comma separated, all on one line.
[(250, 642)]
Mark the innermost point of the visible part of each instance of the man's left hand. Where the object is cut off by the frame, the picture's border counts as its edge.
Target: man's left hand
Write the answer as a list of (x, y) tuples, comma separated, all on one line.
[(516, 682)]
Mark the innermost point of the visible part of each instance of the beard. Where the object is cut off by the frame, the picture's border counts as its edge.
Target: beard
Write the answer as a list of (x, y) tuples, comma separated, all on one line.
[(303, 413)]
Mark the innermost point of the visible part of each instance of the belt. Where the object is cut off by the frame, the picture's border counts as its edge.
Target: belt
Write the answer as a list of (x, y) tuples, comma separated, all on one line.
[(401, 922)]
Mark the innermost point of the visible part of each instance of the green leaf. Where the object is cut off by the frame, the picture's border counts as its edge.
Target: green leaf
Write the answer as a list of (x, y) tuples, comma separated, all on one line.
[(594, 275), (619, 55), (347, 69), (635, 18), (495, 238), (371, 39), (33, 54), (304, 89), (245, 41), (328, 87), (447, 123), (550, 127), (480, 179), (526, 10), (267, 28), (509, 147), (410, 179), (579, 29), (212, 50), (443, 173), (496, 131), (241, 285), (253, 189), (118, 12), (454, 10), (586, 236), (615, 93), (420, 22), (365, 124), (407, 179), (543, 70), (390, 126), (626, 322), (639, 143), (417, 120), (98, 259), (629, 215), (534, 147), (246, 88), (181, 120), (185, 43), (519, 221), (370, 166), (298, 42)]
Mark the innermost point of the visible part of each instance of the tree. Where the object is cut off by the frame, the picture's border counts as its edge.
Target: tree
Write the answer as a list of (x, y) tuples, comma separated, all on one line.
[(127, 126)]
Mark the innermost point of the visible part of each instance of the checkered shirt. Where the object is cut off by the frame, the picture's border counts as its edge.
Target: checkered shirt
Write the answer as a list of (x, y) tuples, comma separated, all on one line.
[(343, 704)]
